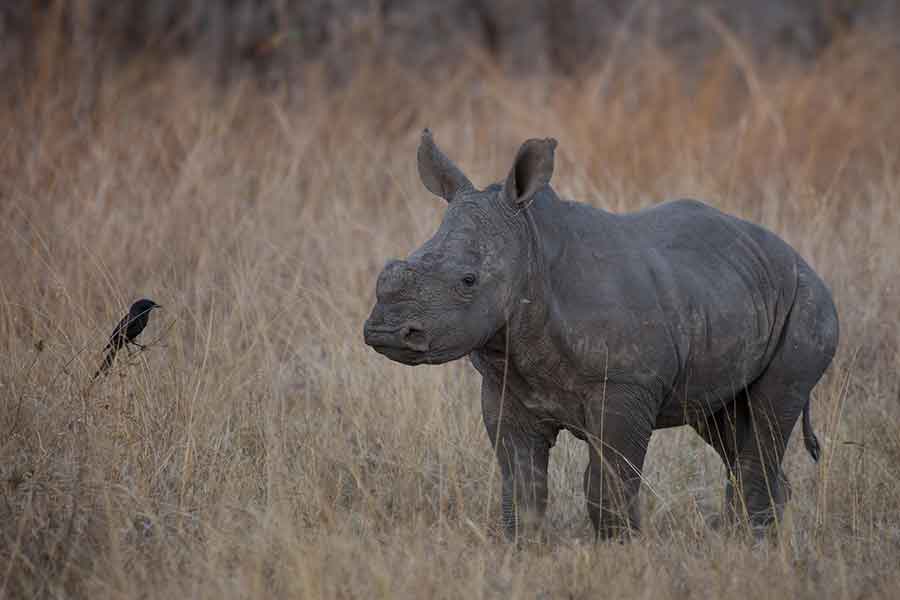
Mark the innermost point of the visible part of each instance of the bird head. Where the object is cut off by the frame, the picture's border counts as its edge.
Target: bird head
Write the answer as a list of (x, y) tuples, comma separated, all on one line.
[(143, 306)]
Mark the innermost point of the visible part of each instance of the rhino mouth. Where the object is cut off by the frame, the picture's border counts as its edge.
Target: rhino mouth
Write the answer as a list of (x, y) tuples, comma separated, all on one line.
[(409, 344), (402, 355), (412, 358)]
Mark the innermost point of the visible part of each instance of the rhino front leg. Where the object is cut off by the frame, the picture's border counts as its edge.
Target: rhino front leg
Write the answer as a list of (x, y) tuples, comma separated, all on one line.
[(620, 426), (523, 454)]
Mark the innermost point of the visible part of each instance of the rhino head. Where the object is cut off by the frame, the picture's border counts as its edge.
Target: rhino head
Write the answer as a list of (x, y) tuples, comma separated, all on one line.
[(456, 291)]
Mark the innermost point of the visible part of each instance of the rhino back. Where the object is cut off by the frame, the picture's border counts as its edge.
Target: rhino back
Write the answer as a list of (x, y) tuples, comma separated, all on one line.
[(681, 299)]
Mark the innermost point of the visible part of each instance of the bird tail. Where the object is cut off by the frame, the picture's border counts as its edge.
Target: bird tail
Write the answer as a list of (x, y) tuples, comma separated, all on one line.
[(107, 362), (809, 436)]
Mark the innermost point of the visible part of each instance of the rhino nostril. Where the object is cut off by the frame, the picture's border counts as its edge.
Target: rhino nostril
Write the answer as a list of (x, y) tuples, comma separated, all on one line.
[(414, 337)]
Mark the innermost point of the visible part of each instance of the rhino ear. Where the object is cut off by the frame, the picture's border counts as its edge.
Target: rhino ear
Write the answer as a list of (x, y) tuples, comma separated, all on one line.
[(437, 172), (531, 171)]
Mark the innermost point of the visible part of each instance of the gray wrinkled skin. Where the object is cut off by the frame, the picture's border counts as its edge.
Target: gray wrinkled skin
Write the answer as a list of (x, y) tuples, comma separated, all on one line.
[(611, 326)]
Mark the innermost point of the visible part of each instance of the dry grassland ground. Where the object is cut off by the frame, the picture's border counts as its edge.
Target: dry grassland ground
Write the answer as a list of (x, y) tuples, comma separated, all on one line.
[(259, 449)]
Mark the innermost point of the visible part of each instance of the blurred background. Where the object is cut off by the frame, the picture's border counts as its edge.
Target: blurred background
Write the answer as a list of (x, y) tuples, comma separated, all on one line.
[(274, 40)]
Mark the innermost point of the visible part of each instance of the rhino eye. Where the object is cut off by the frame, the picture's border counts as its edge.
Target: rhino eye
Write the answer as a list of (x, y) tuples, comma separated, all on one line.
[(469, 280)]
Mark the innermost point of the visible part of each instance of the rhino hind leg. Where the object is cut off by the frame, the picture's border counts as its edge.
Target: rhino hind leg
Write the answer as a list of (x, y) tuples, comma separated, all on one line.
[(752, 437), (773, 409), (725, 430)]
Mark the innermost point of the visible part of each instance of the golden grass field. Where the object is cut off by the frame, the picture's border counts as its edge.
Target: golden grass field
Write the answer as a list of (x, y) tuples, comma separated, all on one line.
[(259, 449)]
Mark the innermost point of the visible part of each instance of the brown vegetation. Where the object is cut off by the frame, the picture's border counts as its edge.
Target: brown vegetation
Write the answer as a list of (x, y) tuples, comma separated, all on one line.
[(258, 449)]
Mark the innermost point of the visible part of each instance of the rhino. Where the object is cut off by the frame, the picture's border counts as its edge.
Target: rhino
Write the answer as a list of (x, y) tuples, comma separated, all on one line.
[(611, 326)]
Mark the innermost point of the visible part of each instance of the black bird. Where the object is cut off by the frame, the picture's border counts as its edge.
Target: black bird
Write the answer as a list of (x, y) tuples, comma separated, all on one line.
[(128, 328)]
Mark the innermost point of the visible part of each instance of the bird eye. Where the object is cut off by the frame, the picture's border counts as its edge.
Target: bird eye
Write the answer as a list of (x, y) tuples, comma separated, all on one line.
[(469, 280)]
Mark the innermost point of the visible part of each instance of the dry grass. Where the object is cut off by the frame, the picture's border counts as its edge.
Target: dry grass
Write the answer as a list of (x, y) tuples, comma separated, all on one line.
[(259, 449)]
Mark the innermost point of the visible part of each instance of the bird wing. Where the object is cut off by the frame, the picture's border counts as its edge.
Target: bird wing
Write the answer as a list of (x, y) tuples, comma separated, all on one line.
[(116, 339)]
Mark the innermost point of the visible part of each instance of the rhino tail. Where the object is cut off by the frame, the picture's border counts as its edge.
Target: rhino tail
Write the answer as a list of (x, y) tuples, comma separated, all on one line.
[(809, 436)]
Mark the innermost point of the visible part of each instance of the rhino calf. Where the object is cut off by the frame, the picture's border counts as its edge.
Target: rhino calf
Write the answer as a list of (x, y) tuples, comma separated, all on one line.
[(610, 326)]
